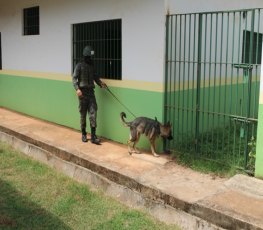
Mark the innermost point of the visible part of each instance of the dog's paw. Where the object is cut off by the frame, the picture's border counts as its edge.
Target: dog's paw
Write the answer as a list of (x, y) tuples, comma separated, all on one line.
[(156, 155)]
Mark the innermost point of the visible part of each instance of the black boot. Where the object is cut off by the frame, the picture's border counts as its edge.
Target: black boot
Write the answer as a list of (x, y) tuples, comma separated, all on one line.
[(84, 135), (94, 138)]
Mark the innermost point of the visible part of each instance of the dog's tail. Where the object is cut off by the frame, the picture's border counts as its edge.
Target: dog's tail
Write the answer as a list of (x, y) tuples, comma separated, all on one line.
[(123, 115)]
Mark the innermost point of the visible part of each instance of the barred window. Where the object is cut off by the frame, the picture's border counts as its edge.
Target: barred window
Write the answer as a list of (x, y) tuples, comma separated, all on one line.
[(252, 45), (31, 21), (105, 38)]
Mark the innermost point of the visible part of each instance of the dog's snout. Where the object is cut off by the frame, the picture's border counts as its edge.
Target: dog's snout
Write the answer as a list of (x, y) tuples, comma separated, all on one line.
[(170, 137)]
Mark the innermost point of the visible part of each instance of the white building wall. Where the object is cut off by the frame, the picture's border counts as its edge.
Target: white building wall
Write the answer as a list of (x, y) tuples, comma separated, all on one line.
[(143, 30)]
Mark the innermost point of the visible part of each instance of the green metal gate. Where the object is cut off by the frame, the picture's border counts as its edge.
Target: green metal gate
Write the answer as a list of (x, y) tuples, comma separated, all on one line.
[(212, 83)]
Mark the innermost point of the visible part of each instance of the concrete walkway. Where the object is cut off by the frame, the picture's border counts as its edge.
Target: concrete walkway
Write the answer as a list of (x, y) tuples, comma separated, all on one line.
[(168, 191)]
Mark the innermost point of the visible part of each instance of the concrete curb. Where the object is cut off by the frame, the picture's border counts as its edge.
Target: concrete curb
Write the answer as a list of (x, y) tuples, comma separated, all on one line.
[(165, 207)]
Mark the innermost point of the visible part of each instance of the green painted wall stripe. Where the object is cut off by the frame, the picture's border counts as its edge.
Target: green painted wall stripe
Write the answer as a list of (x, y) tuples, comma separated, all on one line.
[(56, 101)]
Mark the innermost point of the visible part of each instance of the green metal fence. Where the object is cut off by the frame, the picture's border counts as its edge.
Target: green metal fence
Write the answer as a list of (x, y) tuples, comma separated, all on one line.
[(212, 83)]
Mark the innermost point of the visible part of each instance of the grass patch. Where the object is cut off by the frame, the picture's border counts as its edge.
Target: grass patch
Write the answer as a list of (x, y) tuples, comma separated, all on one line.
[(222, 151), (206, 165), (34, 196)]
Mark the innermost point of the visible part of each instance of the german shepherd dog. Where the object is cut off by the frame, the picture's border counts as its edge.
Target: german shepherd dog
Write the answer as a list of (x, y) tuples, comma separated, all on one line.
[(151, 128)]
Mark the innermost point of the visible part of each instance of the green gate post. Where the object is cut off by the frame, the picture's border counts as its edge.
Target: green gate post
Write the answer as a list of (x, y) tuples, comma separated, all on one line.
[(247, 79), (259, 146)]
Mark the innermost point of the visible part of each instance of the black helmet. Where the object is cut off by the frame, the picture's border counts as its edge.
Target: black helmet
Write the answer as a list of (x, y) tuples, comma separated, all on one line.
[(88, 51)]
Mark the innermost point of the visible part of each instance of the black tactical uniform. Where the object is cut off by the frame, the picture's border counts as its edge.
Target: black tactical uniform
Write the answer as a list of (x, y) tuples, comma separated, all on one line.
[(83, 79)]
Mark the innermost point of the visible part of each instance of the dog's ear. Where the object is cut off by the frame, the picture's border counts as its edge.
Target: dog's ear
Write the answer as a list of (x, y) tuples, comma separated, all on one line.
[(169, 124), (155, 118)]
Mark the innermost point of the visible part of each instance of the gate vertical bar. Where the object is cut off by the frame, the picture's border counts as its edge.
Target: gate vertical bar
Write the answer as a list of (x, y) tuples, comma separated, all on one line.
[(179, 76), (209, 74), (204, 83), (237, 82), (225, 92), (166, 69), (214, 77), (193, 74), (183, 99), (220, 81), (199, 66), (232, 85), (249, 85), (175, 68), (166, 75), (188, 77)]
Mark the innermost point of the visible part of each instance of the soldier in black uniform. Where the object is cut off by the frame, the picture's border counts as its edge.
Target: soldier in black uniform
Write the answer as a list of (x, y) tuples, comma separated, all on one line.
[(83, 81)]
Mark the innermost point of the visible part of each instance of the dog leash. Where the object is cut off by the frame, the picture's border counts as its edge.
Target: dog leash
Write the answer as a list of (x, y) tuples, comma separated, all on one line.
[(120, 101)]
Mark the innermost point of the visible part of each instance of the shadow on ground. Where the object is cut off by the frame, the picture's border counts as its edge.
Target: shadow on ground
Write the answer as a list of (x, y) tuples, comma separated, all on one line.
[(18, 212)]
